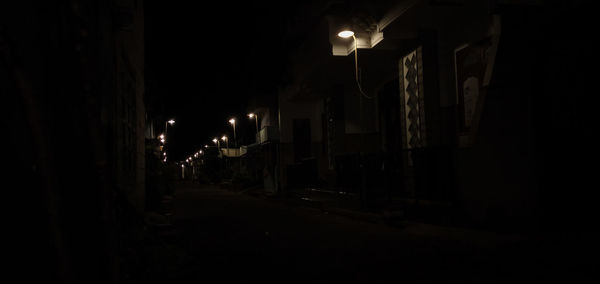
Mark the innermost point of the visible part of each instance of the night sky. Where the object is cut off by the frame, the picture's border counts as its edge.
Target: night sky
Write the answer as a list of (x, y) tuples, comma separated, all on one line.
[(204, 62)]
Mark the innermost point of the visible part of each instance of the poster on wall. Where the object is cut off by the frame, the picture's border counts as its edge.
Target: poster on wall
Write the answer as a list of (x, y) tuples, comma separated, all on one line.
[(473, 68)]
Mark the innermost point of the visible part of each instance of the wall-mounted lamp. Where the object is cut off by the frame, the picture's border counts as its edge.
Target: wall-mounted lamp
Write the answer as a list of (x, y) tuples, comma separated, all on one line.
[(347, 34)]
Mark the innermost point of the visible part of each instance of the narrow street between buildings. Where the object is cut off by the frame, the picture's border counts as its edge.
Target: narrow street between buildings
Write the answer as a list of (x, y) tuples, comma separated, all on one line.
[(228, 237)]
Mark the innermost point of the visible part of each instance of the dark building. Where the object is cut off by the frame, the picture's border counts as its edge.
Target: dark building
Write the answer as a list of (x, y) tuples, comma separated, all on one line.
[(460, 113), (72, 82)]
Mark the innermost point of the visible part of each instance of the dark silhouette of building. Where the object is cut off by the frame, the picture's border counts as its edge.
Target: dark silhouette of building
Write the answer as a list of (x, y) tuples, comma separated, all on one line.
[(471, 112), (72, 80)]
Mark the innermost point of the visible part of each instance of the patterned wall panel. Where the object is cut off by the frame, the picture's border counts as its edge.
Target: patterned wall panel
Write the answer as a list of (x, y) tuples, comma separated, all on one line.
[(411, 98)]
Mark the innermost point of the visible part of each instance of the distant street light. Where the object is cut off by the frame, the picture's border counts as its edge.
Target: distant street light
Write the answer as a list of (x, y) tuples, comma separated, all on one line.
[(255, 116), (216, 141), (224, 138), (163, 137), (171, 122), (232, 121)]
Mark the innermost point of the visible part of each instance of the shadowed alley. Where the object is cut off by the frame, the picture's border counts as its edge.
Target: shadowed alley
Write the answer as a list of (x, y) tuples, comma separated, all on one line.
[(230, 236)]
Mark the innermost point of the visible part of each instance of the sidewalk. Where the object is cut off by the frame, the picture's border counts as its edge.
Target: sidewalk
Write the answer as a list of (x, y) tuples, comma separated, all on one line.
[(393, 211), (400, 213), (336, 202)]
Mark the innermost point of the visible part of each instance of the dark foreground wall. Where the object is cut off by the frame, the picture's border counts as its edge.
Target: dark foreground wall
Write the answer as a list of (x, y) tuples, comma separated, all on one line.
[(70, 115), (532, 162)]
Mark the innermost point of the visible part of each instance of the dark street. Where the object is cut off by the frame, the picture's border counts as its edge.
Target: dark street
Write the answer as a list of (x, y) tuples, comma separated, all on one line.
[(232, 237), (313, 141)]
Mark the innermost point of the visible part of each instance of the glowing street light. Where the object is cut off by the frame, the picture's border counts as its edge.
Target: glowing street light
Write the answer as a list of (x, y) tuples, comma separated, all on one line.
[(216, 141), (163, 137), (255, 116), (232, 121), (347, 34), (171, 122), (224, 138)]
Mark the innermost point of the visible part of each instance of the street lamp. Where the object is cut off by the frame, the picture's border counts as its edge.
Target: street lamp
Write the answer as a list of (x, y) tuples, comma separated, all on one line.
[(163, 137), (347, 34), (255, 116), (216, 141), (232, 121), (224, 138), (171, 122)]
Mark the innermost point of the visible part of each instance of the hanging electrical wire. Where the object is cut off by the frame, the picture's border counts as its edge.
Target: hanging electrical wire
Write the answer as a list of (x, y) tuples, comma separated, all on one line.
[(356, 69)]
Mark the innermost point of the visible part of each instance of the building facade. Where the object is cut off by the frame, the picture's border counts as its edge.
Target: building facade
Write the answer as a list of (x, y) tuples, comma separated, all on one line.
[(449, 111)]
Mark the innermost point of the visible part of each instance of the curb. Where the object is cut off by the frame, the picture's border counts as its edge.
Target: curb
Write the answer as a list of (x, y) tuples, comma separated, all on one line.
[(390, 218), (363, 216)]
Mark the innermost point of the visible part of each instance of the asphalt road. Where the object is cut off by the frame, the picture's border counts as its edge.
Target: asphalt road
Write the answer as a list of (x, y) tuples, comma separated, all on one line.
[(223, 237)]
